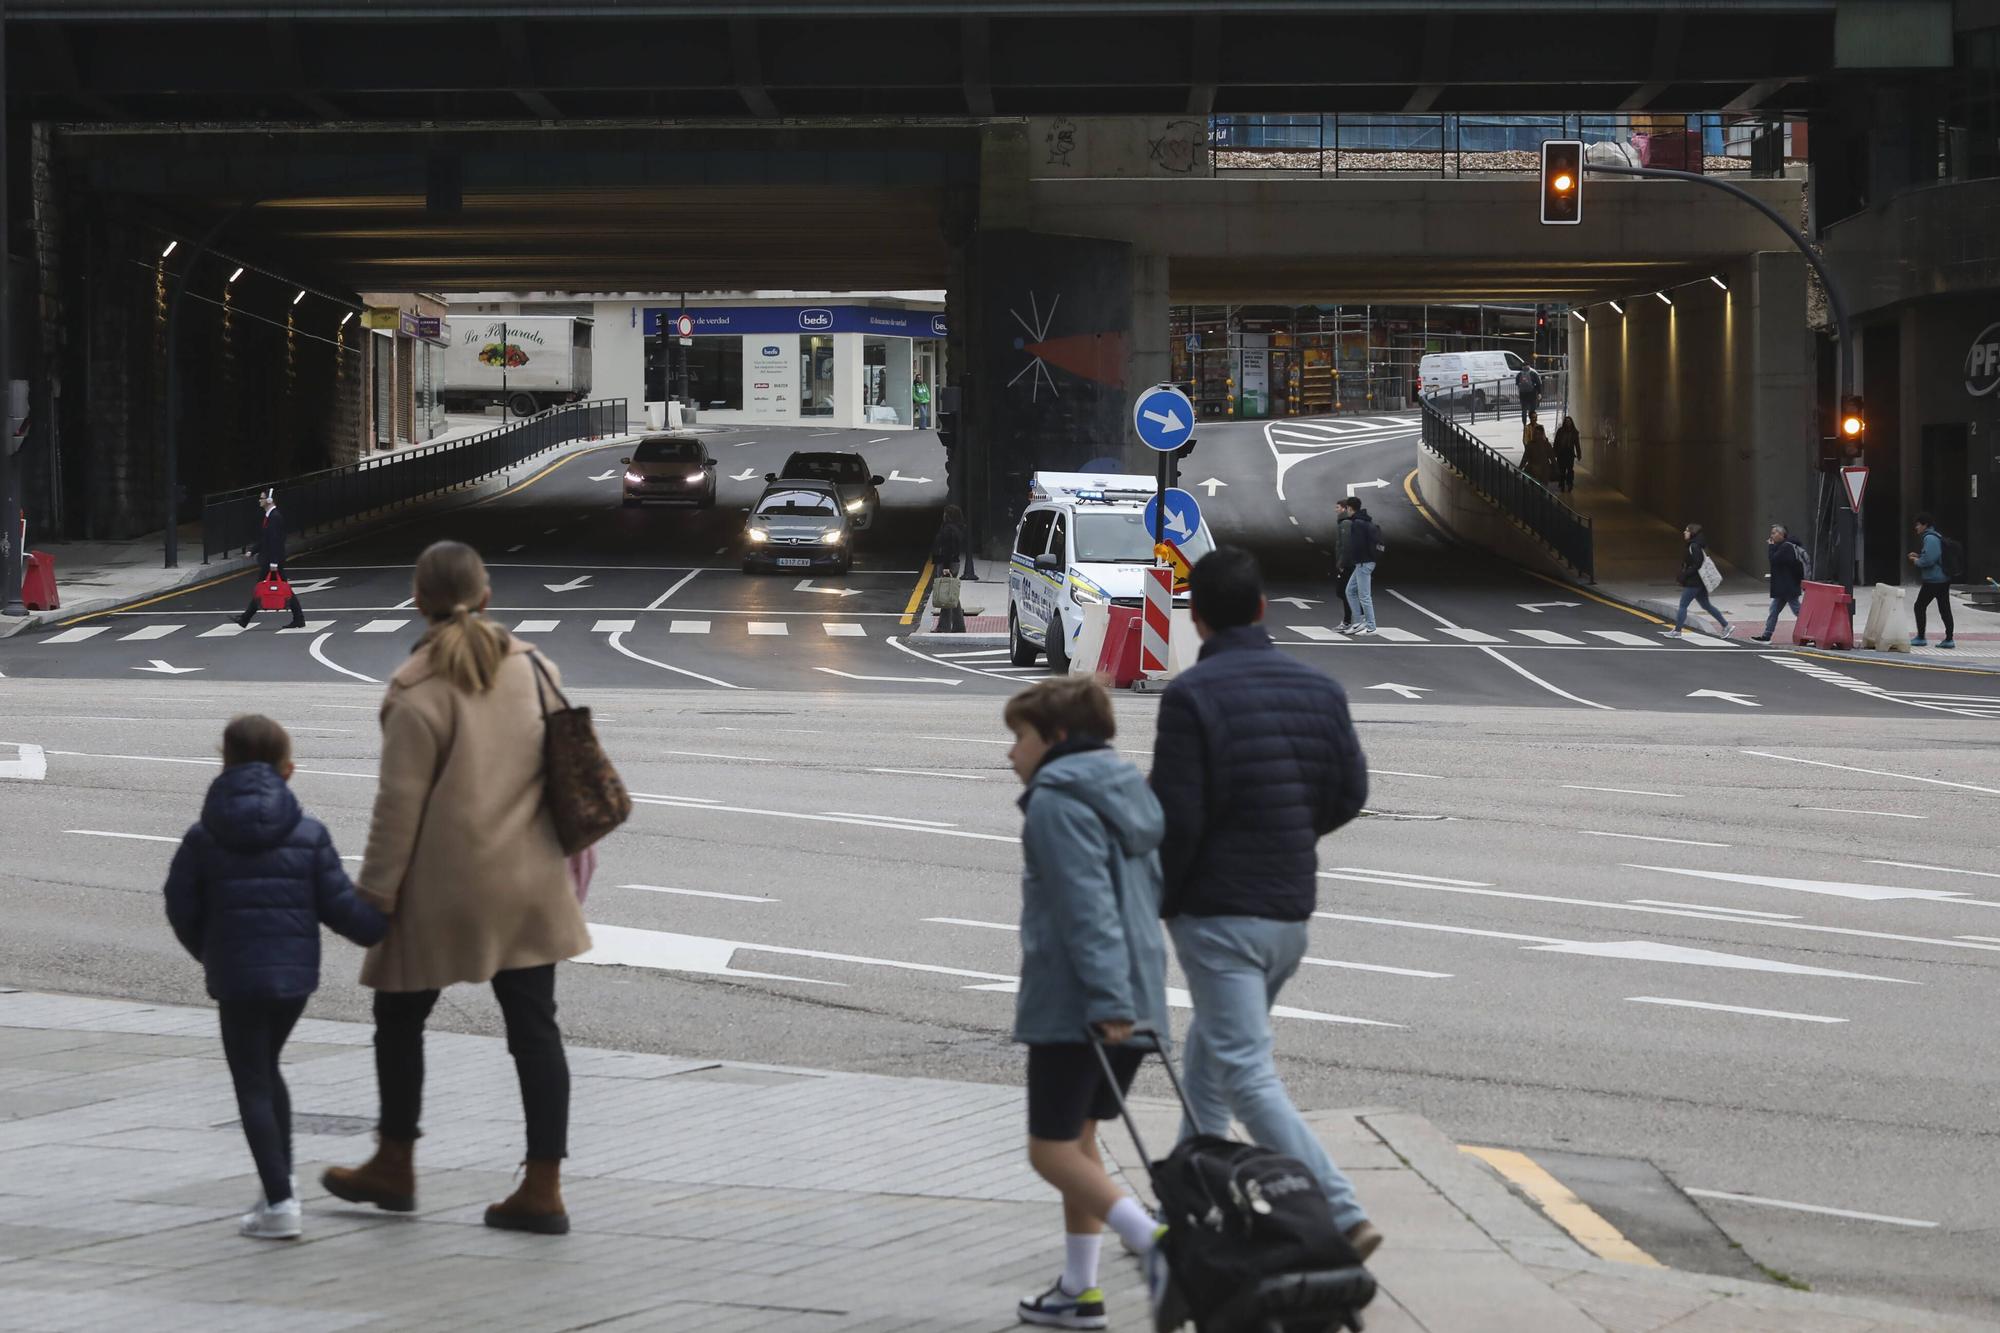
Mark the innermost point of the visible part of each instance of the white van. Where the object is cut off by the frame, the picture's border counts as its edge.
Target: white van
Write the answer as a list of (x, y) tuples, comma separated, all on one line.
[(1082, 540), (1487, 376)]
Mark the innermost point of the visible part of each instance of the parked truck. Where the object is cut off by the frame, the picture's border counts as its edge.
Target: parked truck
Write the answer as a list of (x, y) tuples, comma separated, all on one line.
[(527, 362)]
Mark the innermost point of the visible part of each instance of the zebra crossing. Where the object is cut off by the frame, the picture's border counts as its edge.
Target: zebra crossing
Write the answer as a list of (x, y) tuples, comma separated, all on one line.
[(1959, 705), (532, 627), (1590, 638)]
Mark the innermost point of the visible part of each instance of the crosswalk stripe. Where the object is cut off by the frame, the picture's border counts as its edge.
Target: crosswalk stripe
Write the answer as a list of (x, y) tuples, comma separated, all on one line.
[(310, 627), (1627, 638), (844, 629), (1471, 635), (229, 629), (1700, 640), (1317, 633), (381, 627), (774, 627), (1394, 635), (688, 627), (149, 632), (77, 635), (536, 626), (1546, 636), (614, 627)]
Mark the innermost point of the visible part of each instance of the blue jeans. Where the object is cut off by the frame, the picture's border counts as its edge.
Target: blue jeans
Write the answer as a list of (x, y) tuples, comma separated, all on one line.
[(1361, 591), (1778, 604), (1698, 594), (1235, 967)]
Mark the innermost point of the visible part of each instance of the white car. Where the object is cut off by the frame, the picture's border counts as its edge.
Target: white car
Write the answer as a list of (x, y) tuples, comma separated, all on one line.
[(1083, 540), (1487, 377)]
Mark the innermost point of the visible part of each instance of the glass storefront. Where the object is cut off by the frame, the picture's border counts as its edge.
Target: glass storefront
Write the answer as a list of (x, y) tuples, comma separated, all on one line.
[(815, 375)]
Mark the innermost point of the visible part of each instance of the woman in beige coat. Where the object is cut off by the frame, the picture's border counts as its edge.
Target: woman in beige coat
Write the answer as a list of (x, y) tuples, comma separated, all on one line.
[(462, 854)]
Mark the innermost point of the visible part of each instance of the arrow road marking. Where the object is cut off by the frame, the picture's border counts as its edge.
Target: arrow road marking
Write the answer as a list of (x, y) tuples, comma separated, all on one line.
[(1354, 486), (1742, 699), (164, 669), (605, 476), (1535, 608), (580, 581), (31, 766), (1168, 420), (1302, 603), (1212, 483), (1407, 691), (895, 680), (314, 585), (746, 474), (918, 481), (806, 585)]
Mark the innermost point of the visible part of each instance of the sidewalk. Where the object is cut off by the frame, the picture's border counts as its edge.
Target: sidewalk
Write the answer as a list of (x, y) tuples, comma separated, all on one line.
[(98, 576), (704, 1196), (988, 597)]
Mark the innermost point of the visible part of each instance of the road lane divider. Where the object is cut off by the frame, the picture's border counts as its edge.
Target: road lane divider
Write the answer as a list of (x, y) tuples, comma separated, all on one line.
[(318, 651), (617, 641), (1585, 1225), (1732, 1009), (1759, 1201)]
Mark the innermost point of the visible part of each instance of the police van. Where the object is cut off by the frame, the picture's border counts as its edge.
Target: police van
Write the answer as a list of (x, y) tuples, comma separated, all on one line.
[(1082, 541)]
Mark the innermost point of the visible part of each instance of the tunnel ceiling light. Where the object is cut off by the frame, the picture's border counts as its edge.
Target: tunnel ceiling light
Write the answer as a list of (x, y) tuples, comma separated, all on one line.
[(300, 297), (1668, 300), (1579, 316), (237, 274), (344, 318), (1718, 282), (1615, 306), (171, 246)]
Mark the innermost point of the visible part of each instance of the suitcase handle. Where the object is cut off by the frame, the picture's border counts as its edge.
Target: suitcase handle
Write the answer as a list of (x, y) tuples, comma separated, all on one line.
[(1144, 1040)]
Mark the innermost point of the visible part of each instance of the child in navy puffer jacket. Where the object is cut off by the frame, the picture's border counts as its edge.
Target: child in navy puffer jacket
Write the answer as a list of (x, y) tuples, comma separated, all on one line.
[(248, 890)]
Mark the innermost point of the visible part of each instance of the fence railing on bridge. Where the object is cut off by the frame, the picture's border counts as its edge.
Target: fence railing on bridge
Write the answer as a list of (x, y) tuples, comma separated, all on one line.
[(231, 520), (1566, 533)]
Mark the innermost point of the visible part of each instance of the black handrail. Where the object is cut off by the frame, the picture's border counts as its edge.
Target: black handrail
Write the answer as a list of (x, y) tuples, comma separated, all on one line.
[(1566, 533), (230, 520)]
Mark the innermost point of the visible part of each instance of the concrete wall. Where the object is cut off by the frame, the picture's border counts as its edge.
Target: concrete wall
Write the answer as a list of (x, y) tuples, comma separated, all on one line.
[(1469, 517), (1703, 411)]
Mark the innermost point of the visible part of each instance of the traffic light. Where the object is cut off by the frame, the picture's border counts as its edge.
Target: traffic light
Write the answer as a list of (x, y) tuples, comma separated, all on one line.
[(1185, 449), (1853, 420), (1541, 316), (947, 430), (1562, 182)]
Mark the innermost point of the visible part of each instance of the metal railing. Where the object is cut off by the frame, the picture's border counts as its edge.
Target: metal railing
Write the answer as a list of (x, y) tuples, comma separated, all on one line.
[(231, 520), (1492, 399), (1512, 491)]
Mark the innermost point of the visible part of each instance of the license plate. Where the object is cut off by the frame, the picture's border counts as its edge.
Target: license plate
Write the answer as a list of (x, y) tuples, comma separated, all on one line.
[(793, 562)]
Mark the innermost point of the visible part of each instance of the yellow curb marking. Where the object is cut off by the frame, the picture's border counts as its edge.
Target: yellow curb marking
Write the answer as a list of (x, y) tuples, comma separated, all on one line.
[(163, 597), (917, 594), (1584, 1224)]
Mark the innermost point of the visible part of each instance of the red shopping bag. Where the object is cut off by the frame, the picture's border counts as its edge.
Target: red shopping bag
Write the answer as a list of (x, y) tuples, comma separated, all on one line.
[(274, 594)]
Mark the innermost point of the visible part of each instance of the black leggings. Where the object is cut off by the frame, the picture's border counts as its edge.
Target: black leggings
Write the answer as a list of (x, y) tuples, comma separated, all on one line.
[(527, 999), (1941, 594), (253, 1036)]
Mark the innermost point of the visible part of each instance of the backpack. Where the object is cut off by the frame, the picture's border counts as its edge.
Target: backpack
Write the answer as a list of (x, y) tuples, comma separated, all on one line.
[(1527, 381), (1951, 554), (1805, 561), (1239, 1216)]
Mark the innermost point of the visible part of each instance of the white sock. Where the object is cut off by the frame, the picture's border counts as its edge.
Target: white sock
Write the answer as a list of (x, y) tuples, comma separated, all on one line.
[(1134, 1225), (1080, 1262)]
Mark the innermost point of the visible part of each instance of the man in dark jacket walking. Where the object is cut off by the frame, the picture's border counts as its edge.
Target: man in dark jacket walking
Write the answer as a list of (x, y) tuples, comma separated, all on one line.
[(271, 545), (1788, 576), (1361, 547), (1255, 762), (1568, 448)]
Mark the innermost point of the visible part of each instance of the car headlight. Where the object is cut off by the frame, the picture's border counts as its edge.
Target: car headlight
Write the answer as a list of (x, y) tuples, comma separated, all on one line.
[(697, 476), (637, 479), (856, 506), (758, 535), (833, 537), (1084, 597)]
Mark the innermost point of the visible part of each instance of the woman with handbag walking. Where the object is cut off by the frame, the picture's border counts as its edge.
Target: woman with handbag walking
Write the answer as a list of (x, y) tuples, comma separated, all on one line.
[(465, 854), (1698, 578)]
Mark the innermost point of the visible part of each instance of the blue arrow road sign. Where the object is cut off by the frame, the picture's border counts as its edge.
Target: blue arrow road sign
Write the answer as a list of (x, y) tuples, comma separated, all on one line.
[(1164, 418), (1183, 516)]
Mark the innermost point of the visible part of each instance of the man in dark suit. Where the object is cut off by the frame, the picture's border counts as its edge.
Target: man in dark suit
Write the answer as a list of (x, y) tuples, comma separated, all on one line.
[(271, 544)]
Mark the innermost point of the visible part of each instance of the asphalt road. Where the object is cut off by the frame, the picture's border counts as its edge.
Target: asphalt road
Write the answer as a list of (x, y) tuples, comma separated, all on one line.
[(1666, 943)]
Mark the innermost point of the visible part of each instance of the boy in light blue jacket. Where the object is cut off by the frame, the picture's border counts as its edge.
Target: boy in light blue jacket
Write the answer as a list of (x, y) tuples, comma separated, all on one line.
[(1092, 956)]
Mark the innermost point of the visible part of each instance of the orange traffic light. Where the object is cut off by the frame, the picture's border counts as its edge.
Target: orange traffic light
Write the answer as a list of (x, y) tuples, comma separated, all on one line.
[(1562, 182), (1853, 420)]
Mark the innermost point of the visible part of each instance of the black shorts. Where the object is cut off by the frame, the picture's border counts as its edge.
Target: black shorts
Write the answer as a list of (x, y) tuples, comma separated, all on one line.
[(1066, 1087)]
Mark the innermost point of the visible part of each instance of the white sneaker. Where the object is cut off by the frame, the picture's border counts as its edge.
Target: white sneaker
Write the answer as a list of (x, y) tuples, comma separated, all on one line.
[(273, 1221), (1361, 630)]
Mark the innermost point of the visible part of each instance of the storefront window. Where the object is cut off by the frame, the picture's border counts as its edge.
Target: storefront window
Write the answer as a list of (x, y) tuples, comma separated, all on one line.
[(815, 375), (874, 372), (715, 373)]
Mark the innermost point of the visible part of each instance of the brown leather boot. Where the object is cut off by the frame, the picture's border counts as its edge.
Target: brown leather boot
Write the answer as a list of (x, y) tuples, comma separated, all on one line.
[(388, 1179), (535, 1205)]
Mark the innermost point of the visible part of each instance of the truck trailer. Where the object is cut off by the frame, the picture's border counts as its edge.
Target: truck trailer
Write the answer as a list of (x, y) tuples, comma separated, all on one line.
[(526, 362)]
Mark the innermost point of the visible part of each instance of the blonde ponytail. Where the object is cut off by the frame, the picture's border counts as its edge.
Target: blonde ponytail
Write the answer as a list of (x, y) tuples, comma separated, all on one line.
[(465, 647)]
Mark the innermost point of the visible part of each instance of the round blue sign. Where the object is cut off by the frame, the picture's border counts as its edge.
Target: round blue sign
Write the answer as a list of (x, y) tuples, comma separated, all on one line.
[(1183, 517), (1163, 417)]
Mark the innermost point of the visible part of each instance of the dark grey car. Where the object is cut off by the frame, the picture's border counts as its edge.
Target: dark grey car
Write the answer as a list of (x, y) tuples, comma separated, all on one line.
[(798, 525), (670, 469)]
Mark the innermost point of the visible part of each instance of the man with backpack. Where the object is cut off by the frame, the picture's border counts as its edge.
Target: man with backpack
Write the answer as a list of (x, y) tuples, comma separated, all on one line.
[(1359, 550), (1790, 568), (1939, 560), (1528, 385)]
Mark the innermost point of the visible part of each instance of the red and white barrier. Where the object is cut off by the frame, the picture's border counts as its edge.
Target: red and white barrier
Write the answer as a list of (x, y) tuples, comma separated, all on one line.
[(1159, 622)]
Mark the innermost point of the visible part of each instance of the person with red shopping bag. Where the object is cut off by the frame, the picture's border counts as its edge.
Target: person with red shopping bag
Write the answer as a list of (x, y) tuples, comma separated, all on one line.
[(271, 579)]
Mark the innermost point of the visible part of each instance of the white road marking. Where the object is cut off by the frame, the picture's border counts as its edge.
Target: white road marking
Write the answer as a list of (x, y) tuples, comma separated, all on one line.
[(1623, 791), (1700, 639), (1395, 635), (318, 651), (149, 632), (1442, 929), (688, 627), (902, 647), (407, 604), (1839, 810), (1873, 772), (77, 635), (661, 600), (1393, 773), (1732, 1009), (1653, 951), (1547, 636), (227, 631), (709, 754), (537, 627), (1406, 691), (894, 819), (1742, 700), (624, 946), (1537, 608), (519, 546), (1626, 637), (30, 764), (983, 652), (613, 627), (1377, 967), (128, 837), (167, 668), (580, 581), (1420, 879), (844, 629), (700, 893), (769, 627), (1871, 893), (1979, 939), (963, 921), (310, 627), (967, 740), (1317, 633), (1762, 1202), (1472, 635), (1518, 669), (892, 680), (1704, 907), (204, 763), (378, 627), (1942, 870), (880, 440), (930, 773), (617, 641), (1642, 837), (859, 821)]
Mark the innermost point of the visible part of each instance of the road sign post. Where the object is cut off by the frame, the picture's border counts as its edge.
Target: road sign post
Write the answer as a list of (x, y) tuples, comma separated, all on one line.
[(1163, 419), (1855, 479)]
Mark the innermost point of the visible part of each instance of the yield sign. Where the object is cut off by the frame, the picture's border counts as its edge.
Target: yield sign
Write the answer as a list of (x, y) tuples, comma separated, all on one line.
[(1856, 481)]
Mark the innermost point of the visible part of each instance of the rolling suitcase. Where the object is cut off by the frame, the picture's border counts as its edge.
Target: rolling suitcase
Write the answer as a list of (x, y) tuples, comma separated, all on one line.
[(1251, 1244)]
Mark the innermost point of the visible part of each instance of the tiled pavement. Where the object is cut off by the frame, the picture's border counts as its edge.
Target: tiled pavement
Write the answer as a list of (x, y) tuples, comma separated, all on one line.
[(705, 1196)]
